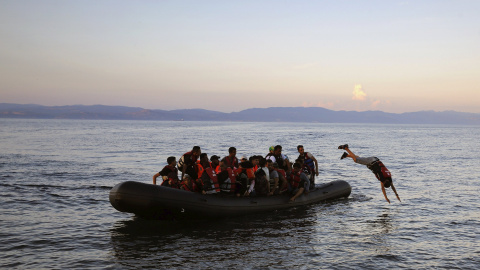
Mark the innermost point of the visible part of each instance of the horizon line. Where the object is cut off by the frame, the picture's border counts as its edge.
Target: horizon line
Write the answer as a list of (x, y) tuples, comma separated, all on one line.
[(426, 110)]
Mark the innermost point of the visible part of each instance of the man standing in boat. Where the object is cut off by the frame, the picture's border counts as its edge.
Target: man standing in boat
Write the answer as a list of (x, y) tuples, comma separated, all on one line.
[(376, 166), (187, 163)]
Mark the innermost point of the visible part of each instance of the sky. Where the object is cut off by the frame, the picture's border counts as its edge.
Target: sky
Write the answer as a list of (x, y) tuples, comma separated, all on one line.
[(392, 56)]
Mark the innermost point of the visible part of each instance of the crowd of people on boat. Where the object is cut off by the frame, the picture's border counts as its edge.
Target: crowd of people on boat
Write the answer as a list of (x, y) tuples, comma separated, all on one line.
[(257, 175)]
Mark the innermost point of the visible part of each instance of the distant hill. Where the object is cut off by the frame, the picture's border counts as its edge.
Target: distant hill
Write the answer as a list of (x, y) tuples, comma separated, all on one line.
[(274, 114)]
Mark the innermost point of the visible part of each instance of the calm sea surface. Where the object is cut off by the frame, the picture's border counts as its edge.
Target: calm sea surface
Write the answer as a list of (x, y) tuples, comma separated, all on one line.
[(56, 176)]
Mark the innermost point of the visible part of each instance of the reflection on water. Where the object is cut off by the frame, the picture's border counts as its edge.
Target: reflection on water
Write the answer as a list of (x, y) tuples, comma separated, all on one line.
[(382, 224), (380, 228), (202, 243)]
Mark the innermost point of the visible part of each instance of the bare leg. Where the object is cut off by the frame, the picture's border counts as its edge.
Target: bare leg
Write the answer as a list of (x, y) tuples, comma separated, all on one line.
[(351, 154)]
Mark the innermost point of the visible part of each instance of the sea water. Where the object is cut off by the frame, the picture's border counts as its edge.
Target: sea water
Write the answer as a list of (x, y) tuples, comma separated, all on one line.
[(55, 177)]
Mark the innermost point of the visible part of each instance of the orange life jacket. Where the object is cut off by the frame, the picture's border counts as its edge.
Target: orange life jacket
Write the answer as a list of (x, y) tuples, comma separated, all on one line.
[(216, 169), (211, 185)]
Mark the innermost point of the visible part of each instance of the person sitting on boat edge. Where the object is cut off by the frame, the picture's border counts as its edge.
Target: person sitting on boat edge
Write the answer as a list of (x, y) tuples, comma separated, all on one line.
[(169, 174), (187, 163), (231, 160), (207, 178), (376, 166), (298, 182), (310, 161)]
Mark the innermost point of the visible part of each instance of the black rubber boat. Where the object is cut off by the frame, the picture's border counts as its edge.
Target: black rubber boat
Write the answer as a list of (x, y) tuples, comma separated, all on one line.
[(158, 202)]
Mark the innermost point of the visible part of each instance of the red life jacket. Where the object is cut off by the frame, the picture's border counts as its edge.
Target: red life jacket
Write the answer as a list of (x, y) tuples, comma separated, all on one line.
[(229, 184), (385, 172), (380, 171), (282, 171), (187, 188), (295, 179), (171, 182), (214, 188), (231, 163)]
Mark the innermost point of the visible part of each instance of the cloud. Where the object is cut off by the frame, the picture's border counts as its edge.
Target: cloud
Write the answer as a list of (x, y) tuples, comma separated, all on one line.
[(375, 103), (358, 93)]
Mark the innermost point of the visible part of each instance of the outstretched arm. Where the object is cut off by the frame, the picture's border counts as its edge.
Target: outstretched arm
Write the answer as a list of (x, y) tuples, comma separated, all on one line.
[(394, 190), (384, 193)]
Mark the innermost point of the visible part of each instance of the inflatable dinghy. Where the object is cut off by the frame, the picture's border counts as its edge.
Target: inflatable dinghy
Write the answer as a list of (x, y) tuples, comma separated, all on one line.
[(159, 202)]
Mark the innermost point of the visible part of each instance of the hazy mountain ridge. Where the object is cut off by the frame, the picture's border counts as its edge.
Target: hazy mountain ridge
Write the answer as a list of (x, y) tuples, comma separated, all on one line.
[(273, 114)]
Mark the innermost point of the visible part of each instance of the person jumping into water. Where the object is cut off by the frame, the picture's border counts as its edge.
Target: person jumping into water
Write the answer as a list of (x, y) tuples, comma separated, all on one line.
[(376, 166)]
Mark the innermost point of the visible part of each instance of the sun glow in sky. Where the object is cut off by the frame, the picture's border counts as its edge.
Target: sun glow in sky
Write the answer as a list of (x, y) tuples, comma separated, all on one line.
[(394, 56)]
